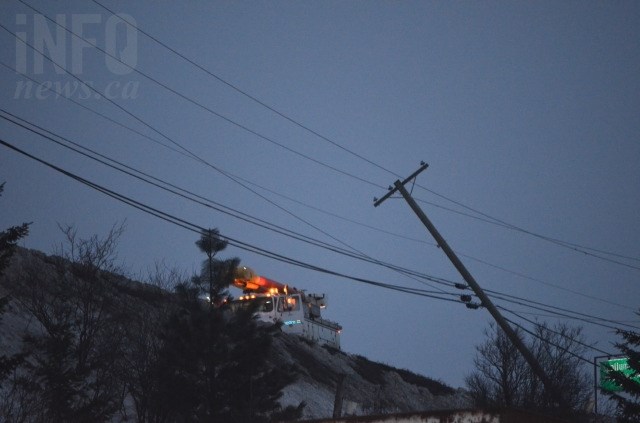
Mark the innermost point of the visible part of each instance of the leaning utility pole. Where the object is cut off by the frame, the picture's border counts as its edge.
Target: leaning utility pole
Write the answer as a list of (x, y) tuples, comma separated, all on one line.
[(486, 302)]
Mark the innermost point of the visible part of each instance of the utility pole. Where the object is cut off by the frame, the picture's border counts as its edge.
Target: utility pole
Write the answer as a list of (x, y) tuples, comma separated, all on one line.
[(486, 302)]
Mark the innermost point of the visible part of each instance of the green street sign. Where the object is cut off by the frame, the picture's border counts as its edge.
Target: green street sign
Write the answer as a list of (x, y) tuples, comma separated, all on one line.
[(617, 364)]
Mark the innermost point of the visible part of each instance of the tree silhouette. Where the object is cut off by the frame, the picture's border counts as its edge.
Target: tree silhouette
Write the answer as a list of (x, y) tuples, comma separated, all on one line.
[(212, 364), (215, 275), (503, 378), (9, 239), (8, 242), (628, 402), (75, 351)]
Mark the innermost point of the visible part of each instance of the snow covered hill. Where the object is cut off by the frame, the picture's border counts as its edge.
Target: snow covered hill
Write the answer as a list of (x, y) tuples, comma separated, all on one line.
[(367, 387)]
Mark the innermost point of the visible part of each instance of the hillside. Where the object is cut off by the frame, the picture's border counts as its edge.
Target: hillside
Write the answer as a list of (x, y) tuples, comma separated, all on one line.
[(368, 387)]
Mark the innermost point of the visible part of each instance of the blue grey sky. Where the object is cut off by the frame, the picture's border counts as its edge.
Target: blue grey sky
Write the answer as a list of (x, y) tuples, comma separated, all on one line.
[(528, 112)]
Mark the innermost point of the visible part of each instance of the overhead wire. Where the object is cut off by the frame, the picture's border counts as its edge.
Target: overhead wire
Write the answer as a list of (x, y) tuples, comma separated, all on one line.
[(487, 218), (494, 220), (572, 246), (505, 297), (53, 89), (179, 145), (422, 241), (549, 284), (308, 205), (559, 311), (440, 280), (189, 195), (201, 105), (211, 111), (239, 90), (82, 81), (232, 241), (157, 213), (535, 335), (225, 118), (170, 139), (547, 328), (247, 181), (247, 246)]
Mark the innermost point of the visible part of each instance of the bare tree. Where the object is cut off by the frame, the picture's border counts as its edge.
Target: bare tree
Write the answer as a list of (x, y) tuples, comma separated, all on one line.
[(163, 276), (75, 347), (501, 372), (559, 350), (503, 379)]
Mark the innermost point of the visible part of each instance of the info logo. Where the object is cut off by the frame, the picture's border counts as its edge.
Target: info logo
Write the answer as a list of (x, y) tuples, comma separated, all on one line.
[(77, 45)]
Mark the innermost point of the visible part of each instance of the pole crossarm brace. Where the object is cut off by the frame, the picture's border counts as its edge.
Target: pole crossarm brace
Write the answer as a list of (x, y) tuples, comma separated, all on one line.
[(486, 302)]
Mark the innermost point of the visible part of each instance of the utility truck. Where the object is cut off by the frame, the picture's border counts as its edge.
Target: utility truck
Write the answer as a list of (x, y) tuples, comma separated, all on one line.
[(299, 312)]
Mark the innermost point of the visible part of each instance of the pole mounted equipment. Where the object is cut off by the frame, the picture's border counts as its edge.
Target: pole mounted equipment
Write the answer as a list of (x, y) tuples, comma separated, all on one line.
[(485, 301)]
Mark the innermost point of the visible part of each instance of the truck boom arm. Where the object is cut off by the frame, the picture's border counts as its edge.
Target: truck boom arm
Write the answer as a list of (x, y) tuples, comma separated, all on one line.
[(247, 280)]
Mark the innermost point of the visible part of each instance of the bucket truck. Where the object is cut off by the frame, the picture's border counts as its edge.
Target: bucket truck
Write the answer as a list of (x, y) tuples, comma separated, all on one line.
[(299, 312)]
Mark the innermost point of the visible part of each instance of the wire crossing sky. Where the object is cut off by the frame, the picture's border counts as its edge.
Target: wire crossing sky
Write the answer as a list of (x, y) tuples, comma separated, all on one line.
[(277, 123), (249, 219)]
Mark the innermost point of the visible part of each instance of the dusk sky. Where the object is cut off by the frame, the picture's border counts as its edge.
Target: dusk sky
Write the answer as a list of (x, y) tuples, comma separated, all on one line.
[(528, 114)]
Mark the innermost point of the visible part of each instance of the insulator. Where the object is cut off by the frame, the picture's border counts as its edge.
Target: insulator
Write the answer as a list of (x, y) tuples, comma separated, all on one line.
[(472, 306), (465, 298), (460, 286)]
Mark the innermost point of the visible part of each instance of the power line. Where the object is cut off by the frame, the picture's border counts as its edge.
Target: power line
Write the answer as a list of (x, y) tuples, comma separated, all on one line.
[(313, 207), (561, 311), (165, 136), (538, 325), (49, 88), (188, 195), (102, 115), (191, 155), (565, 244), (325, 211), (555, 286), (249, 247), (493, 220), (202, 106), (488, 218), (244, 93), (535, 335), (292, 234), (271, 191), (214, 113), (440, 280), (123, 109), (234, 242)]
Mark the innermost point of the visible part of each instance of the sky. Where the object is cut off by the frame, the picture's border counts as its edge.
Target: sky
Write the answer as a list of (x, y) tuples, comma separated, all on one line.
[(528, 114)]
